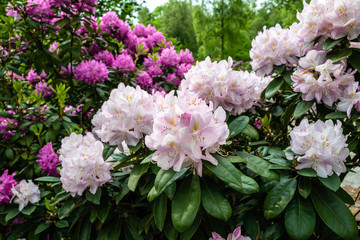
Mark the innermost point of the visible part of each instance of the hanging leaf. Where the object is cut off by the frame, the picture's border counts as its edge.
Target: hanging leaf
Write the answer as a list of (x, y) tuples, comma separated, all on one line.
[(307, 172), (251, 132), (343, 195), (238, 125), (213, 201), (165, 178), (94, 198), (41, 227), (159, 211), (334, 213), (332, 182), (279, 197), (135, 175), (188, 234), (301, 108), (232, 176), (330, 43), (273, 87), (338, 55), (186, 203), (336, 115), (259, 166), (304, 187), (300, 218)]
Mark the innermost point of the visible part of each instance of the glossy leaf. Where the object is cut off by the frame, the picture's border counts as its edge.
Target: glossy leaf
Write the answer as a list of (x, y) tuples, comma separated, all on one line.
[(94, 198), (186, 203), (338, 55), (273, 87), (304, 187), (41, 227), (28, 210), (258, 165), (135, 175), (188, 234), (159, 211), (48, 179), (300, 218), (334, 213), (307, 172), (213, 201), (330, 43), (251, 132), (165, 178), (336, 115), (332, 182), (11, 214), (279, 197), (301, 108), (232, 176), (343, 195), (238, 125)]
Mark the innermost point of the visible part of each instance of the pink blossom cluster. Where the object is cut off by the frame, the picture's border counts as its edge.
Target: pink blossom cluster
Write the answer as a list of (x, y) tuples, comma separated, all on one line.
[(186, 131), (329, 18), (350, 99), (48, 160), (235, 91), (320, 146), (6, 183), (83, 164), (236, 235), (126, 116), (91, 72), (274, 46), (25, 192), (6, 124), (320, 78)]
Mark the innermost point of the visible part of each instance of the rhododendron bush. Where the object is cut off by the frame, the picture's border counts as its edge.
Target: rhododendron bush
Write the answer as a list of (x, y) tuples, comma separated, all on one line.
[(107, 132)]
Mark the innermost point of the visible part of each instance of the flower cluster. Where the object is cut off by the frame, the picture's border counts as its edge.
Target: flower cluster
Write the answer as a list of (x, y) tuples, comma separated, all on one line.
[(274, 46), (334, 19), (82, 163), (236, 235), (25, 192), (126, 116), (48, 160), (321, 79), (321, 146), (91, 72), (185, 131), (235, 91), (6, 183), (6, 124)]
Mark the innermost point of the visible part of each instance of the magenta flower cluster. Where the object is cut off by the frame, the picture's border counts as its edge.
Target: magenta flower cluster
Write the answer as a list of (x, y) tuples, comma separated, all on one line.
[(91, 72), (48, 160), (6, 124), (6, 183)]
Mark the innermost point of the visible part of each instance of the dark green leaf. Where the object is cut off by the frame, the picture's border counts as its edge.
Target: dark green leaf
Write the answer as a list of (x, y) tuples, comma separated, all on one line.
[(108, 150), (273, 87), (251, 132), (238, 125), (286, 116), (102, 211), (48, 179), (213, 201), (15, 70), (232, 176), (354, 60), (29, 210), (11, 214), (115, 230), (332, 182), (330, 43), (66, 209), (94, 198), (41, 227), (85, 232), (343, 195), (304, 187), (135, 148), (336, 115), (165, 178), (135, 175), (335, 214), (259, 166), (301, 108), (147, 159), (159, 211), (62, 224), (300, 218), (5, 114), (279, 197), (188, 234), (338, 55), (186, 203), (307, 172)]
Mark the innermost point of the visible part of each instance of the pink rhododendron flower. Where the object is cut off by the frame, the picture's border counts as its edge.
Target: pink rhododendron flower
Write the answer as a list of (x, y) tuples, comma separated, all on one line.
[(48, 160), (144, 80), (83, 165), (186, 131), (235, 91), (350, 99), (43, 89), (33, 77), (236, 235), (91, 72), (321, 146), (126, 116), (6, 183), (169, 57), (111, 23), (124, 62), (25, 192), (105, 57)]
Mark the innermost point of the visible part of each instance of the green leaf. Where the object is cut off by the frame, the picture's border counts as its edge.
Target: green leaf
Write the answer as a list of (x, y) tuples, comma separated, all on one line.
[(302, 108), (115, 230), (102, 211), (338, 55), (160, 210), (85, 232), (135, 175), (304, 187), (335, 214), (238, 125), (147, 159), (307, 172), (137, 147), (66, 209), (14, 69), (259, 166), (188, 234), (165, 178), (300, 218), (28, 210), (354, 60), (343, 195), (232, 176), (41, 227), (94, 198), (6, 114), (286, 116), (11, 214), (48, 179), (251, 132), (62, 224), (279, 197), (336, 115), (332, 182), (50, 136), (108, 150), (213, 201), (330, 43), (186, 203), (273, 87)]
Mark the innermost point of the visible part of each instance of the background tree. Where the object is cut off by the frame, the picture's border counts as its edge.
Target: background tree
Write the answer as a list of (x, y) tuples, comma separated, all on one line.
[(124, 8)]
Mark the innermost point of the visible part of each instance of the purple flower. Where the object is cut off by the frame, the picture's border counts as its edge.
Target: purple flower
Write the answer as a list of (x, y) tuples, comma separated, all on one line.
[(236, 235), (124, 62), (6, 183), (182, 69), (186, 56), (258, 124), (91, 72), (155, 38), (154, 71), (169, 57), (33, 77), (42, 8), (111, 23), (105, 57), (144, 80), (140, 30), (43, 89), (48, 160)]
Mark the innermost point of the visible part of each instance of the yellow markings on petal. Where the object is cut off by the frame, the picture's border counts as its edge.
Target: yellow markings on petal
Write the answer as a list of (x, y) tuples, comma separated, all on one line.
[(172, 144), (196, 127), (172, 121)]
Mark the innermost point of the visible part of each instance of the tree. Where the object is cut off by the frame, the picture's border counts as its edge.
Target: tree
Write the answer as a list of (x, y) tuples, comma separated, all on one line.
[(124, 8)]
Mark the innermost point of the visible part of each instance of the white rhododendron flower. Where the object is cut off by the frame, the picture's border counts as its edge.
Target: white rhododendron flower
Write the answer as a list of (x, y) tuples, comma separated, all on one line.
[(320, 146), (25, 192), (234, 91), (83, 164)]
